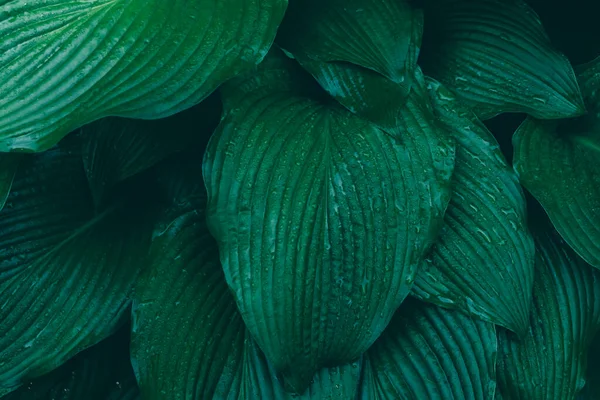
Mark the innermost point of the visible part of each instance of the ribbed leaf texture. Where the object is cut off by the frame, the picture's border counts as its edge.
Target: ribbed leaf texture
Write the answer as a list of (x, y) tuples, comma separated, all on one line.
[(496, 56), (321, 217), (66, 63), (483, 260)]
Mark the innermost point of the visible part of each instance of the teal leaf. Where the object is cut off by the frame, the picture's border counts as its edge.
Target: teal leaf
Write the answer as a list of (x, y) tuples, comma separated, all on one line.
[(362, 52), (428, 352), (66, 273), (549, 362), (188, 338), (93, 374), (9, 162), (483, 261), (64, 64), (321, 217), (115, 149), (591, 390), (558, 163), (496, 56)]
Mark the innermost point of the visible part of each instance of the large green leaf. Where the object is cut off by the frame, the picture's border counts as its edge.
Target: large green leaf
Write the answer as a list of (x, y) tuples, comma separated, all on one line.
[(115, 149), (558, 164), (321, 217), (8, 168), (189, 340), (65, 63), (497, 57), (431, 353), (363, 52), (483, 261), (93, 374), (550, 362), (65, 272)]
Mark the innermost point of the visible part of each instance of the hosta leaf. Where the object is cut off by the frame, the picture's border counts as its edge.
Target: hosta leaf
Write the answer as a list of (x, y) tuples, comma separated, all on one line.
[(65, 273), (115, 149), (92, 374), (432, 353), (321, 217), (363, 52), (591, 390), (550, 362), (497, 57), (8, 168), (558, 164), (189, 340), (482, 262), (64, 64)]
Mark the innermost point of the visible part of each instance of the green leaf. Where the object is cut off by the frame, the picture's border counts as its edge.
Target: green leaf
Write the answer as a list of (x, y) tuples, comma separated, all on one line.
[(65, 272), (363, 52), (92, 374), (591, 390), (321, 217), (558, 164), (115, 149), (483, 261), (428, 352), (496, 56), (189, 340), (64, 64), (8, 168), (550, 362)]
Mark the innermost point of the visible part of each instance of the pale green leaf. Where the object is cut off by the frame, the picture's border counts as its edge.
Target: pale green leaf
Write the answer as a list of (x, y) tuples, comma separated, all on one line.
[(66, 63), (321, 217)]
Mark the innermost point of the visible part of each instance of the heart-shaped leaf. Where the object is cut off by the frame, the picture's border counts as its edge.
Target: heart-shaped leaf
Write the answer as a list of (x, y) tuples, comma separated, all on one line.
[(549, 362), (64, 64), (363, 52), (189, 340), (483, 261), (496, 56), (428, 352), (558, 163), (65, 272), (321, 217)]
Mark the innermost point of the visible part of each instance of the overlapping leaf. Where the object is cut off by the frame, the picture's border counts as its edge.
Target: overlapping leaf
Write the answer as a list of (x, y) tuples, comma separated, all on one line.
[(189, 340), (321, 217), (431, 353), (496, 56), (482, 262), (363, 52), (550, 362), (8, 168), (65, 272), (558, 164), (64, 63), (94, 374), (115, 149), (591, 390)]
